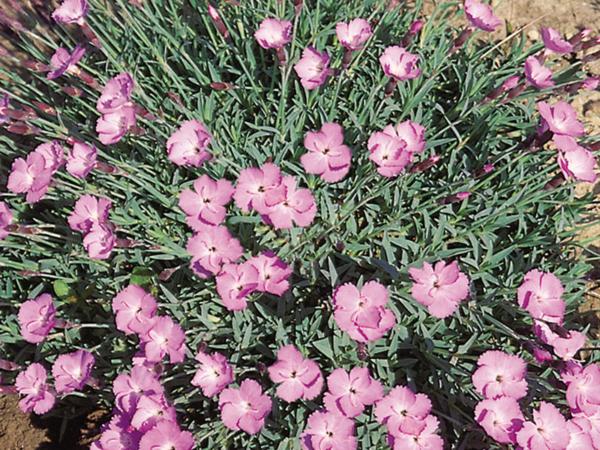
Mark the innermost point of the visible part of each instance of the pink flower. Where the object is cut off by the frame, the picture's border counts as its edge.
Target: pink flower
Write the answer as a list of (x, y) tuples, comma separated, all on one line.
[(71, 11), (134, 310), (424, 438), (501, 418), (118, 435), (297, 206), (354, 34), (409, 132), (30, 176), (363, 314), (64, 62), (440, 288), (205, 205), (554, 42), (540, 294), (500, 374), (539, 76), (565, 345), (53, 154), (72, 371), (4, 108), (481, 15), (150, 410), (561, 118), (245, 408), (235, 283), (299, 377), (32, 384), (254, 184), (89, 211), (166, 434), (350, 392), (113, 126), (211, 248), (402, 411), (116, 93), (6, 219), (130, 388), (36, 318), (81, 160), (574, 160), (273, 33), (273, 273), (547, 431), (580, 434), (214, 373), (389, 153), (399, 64), (188, 146), (100, 241), (164, 337), (582, 392), (312, 68), (327, 430), (327, 155)]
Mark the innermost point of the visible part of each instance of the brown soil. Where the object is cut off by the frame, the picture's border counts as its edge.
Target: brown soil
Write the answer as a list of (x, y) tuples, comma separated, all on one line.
[(17, 431)]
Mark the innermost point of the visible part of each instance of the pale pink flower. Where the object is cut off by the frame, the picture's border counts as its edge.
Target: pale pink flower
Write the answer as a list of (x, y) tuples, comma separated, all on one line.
[(481, 15), (580, 434), (89, 211), (388, 153), (540, 294), (327, 155), (561, 118), (116, 93), (554, 41), (547, 431), (296, 207), (72, 371), (409, 132), (235, 283), (501, 418), (327, 430), (31, 383), (313, 68), (214, 373), (245, 408), (134, 309), (575, 161), (273, 273), (150, 410), (354, 34), (6, 219), (118, 435), (30, 176), (273, 33), (399, 64), (166, 434), (402, 411), (350, 392), (363, 314), (206, 204), (500, 374), (64, 62), (164, 337), (538, 75), (100, 241), (81, 159), (583, 394), (36, 318), (440, 288), (53, 154), (113, 126), (188, 146), (565, 345), (129, 388), (298, 377), (71, 11), (212, 247), (253, 185), (424, 438)]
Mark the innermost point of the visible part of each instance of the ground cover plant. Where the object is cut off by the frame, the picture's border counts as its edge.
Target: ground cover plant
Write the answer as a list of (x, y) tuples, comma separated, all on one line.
[(277, 225)]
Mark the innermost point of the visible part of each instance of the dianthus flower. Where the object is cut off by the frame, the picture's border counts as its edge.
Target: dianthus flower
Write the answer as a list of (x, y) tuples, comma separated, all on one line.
[(298, 377), (327, 155), (425, 437), (561, 118), (212, 247), (554, 42), (540, 294), (36, 318), (538, 75), (30, 176), (81, 159), (402, 411), (235, 283), (296, 207), (481, 15), (399, 64), (254, 184), (6, 219), (500, 374), (582, 391), (64, 62), (166, 434), (245, 408), (547, 431), (134, 309), (206, 204), (350, 392), (575, 161), (71, 11), (89, 211), (188, 146), (326, 430), (354, 34), (72, 371), (273, 273), (312, 68), (213, 374), (501, 418), (31, 383), (164, 337), (273, 33)]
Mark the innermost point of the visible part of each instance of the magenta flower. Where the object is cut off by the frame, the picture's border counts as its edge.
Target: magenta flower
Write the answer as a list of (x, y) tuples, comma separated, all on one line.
[(81, 160), (89, 211), (150, 410), (312, 68), (245, 408), (72, 371), (388, 153), (501, 418), (273, 33), (100, 241), (327, 155), (363, 314), (402, 411), (211, 248), (327, 430), (538, 75), (354, 34), (188, 146), (298, 377), (440, 288), (547, 431), (30, 176), (6, 219), (425, 437), (205, 205), (554, 42), (575, 161), (235, 283), (350, 392), (164, 337), (116, 93), (565, 345), (214, 373), (481, 15), (500, 374), (166, 434), (399, 64), (36, 318), (273, 273), (129, 388), (113, 126), (540, 294), (53, 154), (64, 62), (71, 11), (134, 310), (583, 395), (253, 185), (561, 118), (296, 207), (31, 383)]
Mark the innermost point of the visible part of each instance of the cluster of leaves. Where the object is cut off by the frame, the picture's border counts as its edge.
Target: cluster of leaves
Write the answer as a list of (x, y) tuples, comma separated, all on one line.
[(367, 227)]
